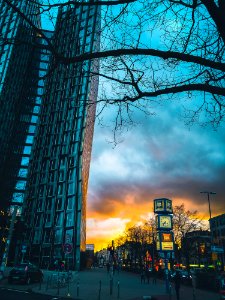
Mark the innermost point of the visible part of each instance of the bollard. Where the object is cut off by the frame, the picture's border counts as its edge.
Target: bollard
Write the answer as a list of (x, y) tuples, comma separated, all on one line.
[(78, 286), (170, 291), (40, 282), (58, 285), (47, 284), (111, 286), (100, 288), (118, 289), (194, 294), (68, 287)]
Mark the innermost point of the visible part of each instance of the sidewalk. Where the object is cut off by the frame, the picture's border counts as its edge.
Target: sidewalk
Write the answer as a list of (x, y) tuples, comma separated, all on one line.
[(94, 284)]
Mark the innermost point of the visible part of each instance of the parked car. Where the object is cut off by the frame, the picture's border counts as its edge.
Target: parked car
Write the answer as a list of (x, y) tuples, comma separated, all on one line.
[(25, 273), (186, 277), (1, 275)]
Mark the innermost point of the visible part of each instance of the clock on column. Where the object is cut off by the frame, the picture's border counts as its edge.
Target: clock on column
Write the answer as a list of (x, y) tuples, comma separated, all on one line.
[(164, 222)]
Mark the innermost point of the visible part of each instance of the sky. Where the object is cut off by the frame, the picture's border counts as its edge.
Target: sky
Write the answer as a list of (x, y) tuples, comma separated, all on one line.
[(160, 157)]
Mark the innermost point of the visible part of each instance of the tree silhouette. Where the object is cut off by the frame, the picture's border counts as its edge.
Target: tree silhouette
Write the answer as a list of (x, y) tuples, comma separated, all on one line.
[(152, 51)]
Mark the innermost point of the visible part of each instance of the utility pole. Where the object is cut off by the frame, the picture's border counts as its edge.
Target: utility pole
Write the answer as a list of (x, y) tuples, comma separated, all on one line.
[(209, 193)]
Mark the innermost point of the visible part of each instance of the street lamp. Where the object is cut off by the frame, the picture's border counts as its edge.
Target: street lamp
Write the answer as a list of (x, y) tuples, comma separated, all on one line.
[(209, 193)]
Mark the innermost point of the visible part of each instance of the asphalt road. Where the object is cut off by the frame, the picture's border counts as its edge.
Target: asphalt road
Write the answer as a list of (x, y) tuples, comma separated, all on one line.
[(12, 294)]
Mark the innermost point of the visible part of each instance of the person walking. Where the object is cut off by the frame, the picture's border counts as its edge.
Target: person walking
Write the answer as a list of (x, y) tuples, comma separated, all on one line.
[(154, 275), (143, 276), (177, 282), (108, 267)]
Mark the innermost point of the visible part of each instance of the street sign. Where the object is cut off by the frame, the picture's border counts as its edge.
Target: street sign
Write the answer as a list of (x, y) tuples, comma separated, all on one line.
[(217, 249), (24, 248), (67, 248)]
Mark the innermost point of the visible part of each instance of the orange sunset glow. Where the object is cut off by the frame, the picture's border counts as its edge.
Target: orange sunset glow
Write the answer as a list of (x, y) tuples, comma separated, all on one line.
[(160, 157), (102, 229)]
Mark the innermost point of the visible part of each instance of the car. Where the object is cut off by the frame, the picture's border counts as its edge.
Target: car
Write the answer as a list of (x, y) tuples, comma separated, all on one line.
[(25, 273), (186, 276), (1, 275)]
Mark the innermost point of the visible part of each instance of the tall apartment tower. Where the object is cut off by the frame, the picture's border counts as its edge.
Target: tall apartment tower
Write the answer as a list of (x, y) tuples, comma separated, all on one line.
[(55, 202), (18, 88)]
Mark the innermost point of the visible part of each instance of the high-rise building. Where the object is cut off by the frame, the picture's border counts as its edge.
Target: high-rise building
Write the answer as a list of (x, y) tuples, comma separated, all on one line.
[(19, 81), (55, 202), (18, 87)]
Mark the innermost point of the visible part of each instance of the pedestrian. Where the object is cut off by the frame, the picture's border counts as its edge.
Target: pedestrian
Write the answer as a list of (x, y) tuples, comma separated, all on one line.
[(154, 275), (143, 276), (62, 266), (177, 282), (147, 274), (108, 267), (56, 265)]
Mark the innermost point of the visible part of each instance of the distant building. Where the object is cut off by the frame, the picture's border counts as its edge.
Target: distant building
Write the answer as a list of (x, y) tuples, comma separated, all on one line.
[(90, 256), (90, 247), (55, 203), (217, 227), (196, 248)]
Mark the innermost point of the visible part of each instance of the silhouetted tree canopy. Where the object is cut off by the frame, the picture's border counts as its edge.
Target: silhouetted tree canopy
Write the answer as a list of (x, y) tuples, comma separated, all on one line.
[(155, 51)]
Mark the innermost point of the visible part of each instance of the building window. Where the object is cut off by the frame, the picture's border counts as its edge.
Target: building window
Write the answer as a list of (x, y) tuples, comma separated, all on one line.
[(70, 219), (40, 205), (49, 203), (71, 174), (58, 236), (59, 204), (48, 220), (50, 190), (59, 219), (71, 188), (37, 237), (70, 203), (69, 236), (60, 189), (61, 175), (47, 236), (38, 219)]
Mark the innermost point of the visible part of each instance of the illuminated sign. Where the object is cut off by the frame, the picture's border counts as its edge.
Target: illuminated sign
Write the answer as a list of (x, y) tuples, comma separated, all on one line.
[(164, 241)]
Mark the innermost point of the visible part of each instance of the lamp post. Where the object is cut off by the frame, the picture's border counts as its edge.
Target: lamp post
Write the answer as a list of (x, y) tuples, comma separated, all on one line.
[(209, 193), (210, 214)]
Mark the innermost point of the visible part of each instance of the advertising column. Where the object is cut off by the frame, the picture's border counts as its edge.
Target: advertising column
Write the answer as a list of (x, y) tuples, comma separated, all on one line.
[(165, 239)]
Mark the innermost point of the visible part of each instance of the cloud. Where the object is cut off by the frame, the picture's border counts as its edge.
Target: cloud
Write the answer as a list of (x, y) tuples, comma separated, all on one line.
[(102, 232), (160, 157)]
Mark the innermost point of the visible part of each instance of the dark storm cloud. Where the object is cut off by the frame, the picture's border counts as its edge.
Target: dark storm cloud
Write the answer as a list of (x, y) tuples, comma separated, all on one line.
[(161, 157)]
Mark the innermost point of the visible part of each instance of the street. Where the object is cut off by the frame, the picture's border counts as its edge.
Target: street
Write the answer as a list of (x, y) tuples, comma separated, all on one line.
[(11, 294), (94, 284)]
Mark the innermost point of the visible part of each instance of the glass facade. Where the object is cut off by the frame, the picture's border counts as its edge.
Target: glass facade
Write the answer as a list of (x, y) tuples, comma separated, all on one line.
[(18, 86), (55, 201)]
